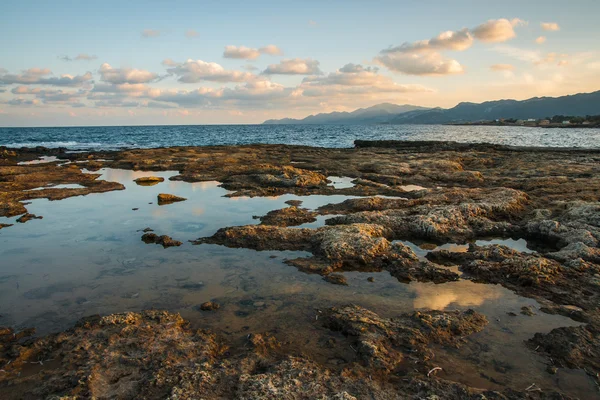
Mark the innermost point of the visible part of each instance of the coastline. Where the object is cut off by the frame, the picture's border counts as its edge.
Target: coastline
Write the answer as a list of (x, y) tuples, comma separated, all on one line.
[(432, 192)]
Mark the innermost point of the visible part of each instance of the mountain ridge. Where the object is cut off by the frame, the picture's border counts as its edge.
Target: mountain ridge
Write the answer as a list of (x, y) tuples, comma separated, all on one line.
[(579, 104)]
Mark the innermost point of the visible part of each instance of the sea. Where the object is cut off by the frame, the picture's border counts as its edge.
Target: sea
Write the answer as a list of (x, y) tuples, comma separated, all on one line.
[(120, 137)]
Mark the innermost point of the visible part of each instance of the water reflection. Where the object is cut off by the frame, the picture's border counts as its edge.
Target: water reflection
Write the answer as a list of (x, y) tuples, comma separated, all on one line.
[(86, 257)]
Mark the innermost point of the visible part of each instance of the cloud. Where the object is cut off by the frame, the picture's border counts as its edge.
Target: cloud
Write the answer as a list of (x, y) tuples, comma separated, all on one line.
[(296, 66), (193, 71), (50, 95), (312, 23), (250, 95), (249, 53), (150, 33), (250, 67), (540, 39), (39, 76), (242, 52), (424, 57), (502, 67), (449, 40), (355, 80), (534, 57), (271, 49), (190, 33), (125, 75), (167, 62), (497, 30), (79, 57), (550, 26), (420, 63)]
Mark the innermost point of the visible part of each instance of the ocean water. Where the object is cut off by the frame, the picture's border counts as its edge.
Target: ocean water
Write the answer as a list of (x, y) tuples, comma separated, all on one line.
[(116, 137)]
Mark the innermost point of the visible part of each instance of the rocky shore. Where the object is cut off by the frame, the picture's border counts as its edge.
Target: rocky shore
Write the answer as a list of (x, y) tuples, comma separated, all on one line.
[(431, 193)]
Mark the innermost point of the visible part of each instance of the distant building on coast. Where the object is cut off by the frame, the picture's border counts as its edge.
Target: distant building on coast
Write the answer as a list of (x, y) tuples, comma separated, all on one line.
[(566, 122), (544, 122)]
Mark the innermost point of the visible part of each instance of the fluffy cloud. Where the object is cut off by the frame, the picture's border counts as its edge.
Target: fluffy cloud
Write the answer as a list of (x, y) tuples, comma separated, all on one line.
[(420, 63), (550, 26), (540, 39), (190, 33), (242, 52), (355, 80), (79, 57), (125, 75), (502, 67), (47, 96), (424, 57), (150, 33), (296, 66), (39, 76), (193, 71), (250, 95), (449, 40), (249, 53), (497, 30)]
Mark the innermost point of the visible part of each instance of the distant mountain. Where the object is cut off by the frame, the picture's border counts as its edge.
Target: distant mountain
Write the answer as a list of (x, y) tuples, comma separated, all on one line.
[(380, 113), (538, 107), (581, 104)]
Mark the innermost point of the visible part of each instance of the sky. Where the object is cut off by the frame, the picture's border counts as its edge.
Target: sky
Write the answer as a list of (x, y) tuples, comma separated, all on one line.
[(75, 63)]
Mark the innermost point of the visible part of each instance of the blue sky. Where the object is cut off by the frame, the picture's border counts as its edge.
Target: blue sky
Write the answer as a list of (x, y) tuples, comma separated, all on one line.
[(324, 56)]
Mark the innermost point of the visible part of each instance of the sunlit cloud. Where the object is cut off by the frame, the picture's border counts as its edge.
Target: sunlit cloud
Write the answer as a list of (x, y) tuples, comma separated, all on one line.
[(420, 63), (497, 30), (296, 66), (249, 53), (550, 26), (39, 76), (125, 75), (193, 71), (540, 39)]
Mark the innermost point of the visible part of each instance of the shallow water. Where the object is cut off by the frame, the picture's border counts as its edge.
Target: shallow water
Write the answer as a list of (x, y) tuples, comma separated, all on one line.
[(86, 257)]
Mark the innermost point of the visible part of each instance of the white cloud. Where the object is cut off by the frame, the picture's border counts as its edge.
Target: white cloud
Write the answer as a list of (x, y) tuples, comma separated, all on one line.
[(125, 75), (249, 53), (193, 71), (190, 33), (39, 76), (550, 26), (420, 63), (150, 33), (449, 40), (296, 66), (540, 39), (271, 49), (242, 52), (497, 30)]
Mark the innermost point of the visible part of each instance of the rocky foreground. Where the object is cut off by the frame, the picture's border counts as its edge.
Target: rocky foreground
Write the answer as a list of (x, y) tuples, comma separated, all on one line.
[(548, 196)]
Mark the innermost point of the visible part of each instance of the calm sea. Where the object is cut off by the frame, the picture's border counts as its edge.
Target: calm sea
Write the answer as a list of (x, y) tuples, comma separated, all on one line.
[(115, 137)]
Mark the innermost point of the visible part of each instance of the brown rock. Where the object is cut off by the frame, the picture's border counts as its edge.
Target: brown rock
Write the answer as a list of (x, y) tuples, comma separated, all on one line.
[(209, 306), (164, 198), (149, 180)]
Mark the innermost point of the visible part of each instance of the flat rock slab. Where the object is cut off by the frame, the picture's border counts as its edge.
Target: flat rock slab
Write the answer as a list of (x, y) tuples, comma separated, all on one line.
[(149, 180)]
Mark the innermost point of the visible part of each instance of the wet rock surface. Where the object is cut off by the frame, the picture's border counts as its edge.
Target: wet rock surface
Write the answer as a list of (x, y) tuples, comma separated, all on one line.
[(165, 198), (289, 216), (164, 240), (155, 354), (473, 191), (149, 180)]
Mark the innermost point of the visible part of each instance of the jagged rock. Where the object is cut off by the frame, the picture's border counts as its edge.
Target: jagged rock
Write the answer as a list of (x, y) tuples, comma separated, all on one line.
[(164, 240), (164, 198), (26, 217)]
